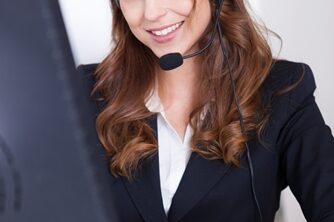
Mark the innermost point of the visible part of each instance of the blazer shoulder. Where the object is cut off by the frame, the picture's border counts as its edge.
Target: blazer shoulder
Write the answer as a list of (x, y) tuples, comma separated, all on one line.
[(290, 79)]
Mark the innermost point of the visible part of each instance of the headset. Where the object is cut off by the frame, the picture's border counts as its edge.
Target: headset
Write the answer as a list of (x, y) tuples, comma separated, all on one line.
[(117, 3), (173, 60)]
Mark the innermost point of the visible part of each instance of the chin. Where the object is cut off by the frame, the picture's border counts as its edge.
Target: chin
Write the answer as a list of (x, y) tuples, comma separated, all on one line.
[(160, 53)]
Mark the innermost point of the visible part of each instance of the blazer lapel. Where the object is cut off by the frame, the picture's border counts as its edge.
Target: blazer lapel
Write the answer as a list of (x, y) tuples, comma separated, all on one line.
[(199, 177), (145, 188)]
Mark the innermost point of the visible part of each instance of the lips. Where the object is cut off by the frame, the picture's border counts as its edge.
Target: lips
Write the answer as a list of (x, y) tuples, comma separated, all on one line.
[(166, 33), (163, 27), (167, 30)]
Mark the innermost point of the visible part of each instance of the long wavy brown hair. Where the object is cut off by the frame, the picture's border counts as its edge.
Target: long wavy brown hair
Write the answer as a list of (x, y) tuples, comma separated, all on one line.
[(123, 127)]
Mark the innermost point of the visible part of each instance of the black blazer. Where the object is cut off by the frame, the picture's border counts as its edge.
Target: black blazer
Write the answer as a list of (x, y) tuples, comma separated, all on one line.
[(299, 153)]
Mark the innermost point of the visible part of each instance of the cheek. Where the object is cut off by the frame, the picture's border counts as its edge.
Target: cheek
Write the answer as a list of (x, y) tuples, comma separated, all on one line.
[(201, 15), (184, 7), (133, 19)]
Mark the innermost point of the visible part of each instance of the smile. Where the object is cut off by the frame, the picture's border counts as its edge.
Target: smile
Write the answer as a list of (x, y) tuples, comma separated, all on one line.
[(167, 30), (166, 33)]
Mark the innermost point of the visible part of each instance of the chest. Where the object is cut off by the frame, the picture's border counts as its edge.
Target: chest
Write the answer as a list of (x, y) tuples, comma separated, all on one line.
[(208, 189)]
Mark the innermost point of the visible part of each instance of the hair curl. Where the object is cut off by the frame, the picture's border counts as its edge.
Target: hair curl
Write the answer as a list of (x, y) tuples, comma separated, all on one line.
[(122, 126)]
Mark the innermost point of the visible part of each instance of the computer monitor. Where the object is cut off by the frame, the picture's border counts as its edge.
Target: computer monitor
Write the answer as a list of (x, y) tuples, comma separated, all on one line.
[(52, 168)]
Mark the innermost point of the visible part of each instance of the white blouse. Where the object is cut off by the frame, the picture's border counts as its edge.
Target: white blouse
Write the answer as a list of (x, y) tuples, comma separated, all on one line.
[(173, 153)]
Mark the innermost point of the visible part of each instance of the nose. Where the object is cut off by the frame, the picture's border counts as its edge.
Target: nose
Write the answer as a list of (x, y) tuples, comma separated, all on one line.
[(154, 9)]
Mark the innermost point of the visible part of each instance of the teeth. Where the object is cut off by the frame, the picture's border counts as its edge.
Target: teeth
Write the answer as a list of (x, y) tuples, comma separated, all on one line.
[(166, 30)]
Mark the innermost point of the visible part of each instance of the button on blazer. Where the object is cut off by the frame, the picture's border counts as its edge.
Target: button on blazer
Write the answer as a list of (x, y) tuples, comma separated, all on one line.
[(298, 152)]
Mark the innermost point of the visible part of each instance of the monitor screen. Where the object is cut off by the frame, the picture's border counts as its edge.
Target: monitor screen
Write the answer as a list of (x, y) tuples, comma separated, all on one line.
[(52, 167)]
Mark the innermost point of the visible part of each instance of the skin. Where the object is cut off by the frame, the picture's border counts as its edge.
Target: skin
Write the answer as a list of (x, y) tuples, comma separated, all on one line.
[(176, 88)]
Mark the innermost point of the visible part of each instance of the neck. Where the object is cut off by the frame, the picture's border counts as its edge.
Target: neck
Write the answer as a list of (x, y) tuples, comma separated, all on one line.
[(179, 84)]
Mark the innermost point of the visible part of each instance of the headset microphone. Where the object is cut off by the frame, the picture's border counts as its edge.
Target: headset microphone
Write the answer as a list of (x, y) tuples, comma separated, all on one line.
[(173, 60), (170, 61)]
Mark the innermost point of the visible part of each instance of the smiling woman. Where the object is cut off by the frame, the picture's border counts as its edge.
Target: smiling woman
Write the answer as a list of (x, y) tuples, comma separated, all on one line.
[(217, 138), (189, 89)]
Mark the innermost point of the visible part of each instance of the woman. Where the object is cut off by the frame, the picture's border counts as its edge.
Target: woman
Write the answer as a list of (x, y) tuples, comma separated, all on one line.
[(218, 137)]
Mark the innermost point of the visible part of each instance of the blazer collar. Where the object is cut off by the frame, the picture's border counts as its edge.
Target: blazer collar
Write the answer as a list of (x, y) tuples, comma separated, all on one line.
[(199, 177)]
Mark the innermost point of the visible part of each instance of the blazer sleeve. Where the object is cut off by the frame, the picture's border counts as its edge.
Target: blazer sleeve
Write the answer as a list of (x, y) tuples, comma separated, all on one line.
[(308, 153)]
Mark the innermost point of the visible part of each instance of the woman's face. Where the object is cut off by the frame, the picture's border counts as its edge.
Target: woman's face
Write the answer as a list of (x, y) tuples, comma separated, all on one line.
[(167, 26)]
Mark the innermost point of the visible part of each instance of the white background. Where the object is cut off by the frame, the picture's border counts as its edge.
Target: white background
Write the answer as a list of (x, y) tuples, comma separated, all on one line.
[(306, 27)]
